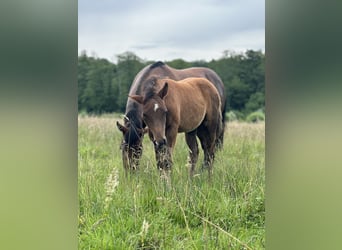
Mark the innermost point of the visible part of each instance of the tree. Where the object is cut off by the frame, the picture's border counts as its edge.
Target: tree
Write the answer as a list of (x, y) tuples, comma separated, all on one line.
[(103, 86), (94, 82), (83, 67), (256, 102), (128, 66), (238, 94), (179, 64)]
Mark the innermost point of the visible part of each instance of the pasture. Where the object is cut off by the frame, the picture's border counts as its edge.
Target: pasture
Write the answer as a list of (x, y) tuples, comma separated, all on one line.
[(142, 212)]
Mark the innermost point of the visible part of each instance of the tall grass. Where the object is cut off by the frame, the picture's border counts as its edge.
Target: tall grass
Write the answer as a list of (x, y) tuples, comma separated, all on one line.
[(141, 211)]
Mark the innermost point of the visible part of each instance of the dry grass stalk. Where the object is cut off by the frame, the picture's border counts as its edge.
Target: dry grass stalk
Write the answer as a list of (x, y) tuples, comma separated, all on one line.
[(111, 183)]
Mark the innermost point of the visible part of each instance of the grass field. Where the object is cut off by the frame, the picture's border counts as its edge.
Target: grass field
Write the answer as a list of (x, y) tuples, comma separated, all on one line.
[(141, 212)]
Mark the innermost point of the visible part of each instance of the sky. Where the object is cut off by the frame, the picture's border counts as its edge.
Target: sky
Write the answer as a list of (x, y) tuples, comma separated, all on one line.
[(166, 30)]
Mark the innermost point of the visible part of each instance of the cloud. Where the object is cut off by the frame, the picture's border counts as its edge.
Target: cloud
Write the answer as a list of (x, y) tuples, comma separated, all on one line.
[(167, 30)]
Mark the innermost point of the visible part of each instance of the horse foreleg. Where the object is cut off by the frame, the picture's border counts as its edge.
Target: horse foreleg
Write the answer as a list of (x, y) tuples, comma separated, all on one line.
[(171, 136), (191, 140), (164, 161), (164, 153)]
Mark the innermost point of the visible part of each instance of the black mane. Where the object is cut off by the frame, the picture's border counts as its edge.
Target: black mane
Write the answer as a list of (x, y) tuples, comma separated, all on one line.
[(149, 92), (157, 64), (135, 123)]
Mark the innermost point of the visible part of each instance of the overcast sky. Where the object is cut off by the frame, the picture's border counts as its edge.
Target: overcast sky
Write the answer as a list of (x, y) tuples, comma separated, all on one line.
[(166, 30)]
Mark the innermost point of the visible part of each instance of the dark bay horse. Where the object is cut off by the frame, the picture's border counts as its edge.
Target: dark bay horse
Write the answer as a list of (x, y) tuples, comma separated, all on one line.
[(192, 106), (133, 127)]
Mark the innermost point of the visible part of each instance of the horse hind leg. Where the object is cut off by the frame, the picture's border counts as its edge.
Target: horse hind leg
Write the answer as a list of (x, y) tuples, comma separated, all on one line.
[(208, 139), (191, 140)]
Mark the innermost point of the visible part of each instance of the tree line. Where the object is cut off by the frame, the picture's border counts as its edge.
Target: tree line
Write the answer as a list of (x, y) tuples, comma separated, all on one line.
[(103, 85)]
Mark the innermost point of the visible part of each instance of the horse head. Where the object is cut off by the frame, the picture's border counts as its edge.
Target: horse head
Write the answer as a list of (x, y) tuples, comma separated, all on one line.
[(131, 146), (154, 114)]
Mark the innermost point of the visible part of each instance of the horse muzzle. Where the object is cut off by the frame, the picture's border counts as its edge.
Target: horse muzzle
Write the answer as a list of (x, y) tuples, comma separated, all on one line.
[(159, 144)]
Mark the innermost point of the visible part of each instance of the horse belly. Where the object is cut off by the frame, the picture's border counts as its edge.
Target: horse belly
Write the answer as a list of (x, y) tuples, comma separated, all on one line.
[(191, 121)]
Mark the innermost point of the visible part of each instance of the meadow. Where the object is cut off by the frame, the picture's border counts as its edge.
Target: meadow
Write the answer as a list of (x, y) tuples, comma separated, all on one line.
[(141, 212)]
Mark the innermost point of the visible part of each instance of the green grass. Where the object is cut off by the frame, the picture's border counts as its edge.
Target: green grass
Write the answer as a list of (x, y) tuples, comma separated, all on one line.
[(142, 212)]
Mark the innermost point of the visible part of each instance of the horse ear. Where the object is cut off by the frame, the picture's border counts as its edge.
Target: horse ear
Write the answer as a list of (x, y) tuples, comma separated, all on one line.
[(122, 128), (126, 119), (143, 131), (137, 98), (163, 92)]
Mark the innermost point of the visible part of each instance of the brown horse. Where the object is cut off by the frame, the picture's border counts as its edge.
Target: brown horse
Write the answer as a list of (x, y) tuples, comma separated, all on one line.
[(192, 106), (133, 128)]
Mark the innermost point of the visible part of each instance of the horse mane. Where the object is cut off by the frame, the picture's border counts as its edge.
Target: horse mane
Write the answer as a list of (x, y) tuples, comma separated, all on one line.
[(145, 74), (150, 91), (157, 64), (135, 124)]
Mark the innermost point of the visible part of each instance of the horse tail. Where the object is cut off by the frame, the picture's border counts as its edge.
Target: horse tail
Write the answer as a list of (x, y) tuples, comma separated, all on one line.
[(220, 125), (215, 79), (224, 117)]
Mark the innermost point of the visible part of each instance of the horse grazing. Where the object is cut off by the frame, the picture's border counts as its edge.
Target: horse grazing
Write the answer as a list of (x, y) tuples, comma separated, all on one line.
[(133, 128), (192, 106)]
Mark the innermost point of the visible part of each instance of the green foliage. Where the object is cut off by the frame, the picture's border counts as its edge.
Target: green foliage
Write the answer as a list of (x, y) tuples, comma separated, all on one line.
[(256, 116), (256, 101), (95, 90), (234, 115), (238, 94), (127, 68), (143, 212), (179, 64), (103, 86), (231, 116), (82, 113)]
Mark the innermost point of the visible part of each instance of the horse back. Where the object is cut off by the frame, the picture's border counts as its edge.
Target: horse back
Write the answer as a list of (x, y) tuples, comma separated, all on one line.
[(190, 101), (208, 93)]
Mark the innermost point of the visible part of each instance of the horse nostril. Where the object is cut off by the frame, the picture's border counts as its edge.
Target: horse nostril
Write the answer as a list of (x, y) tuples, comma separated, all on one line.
[(159, 144), (162, 142)]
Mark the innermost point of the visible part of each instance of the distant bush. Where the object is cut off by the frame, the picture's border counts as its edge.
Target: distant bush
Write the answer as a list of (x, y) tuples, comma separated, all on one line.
[(256, 116), (231, 116), (82, 113), (235, 115)]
